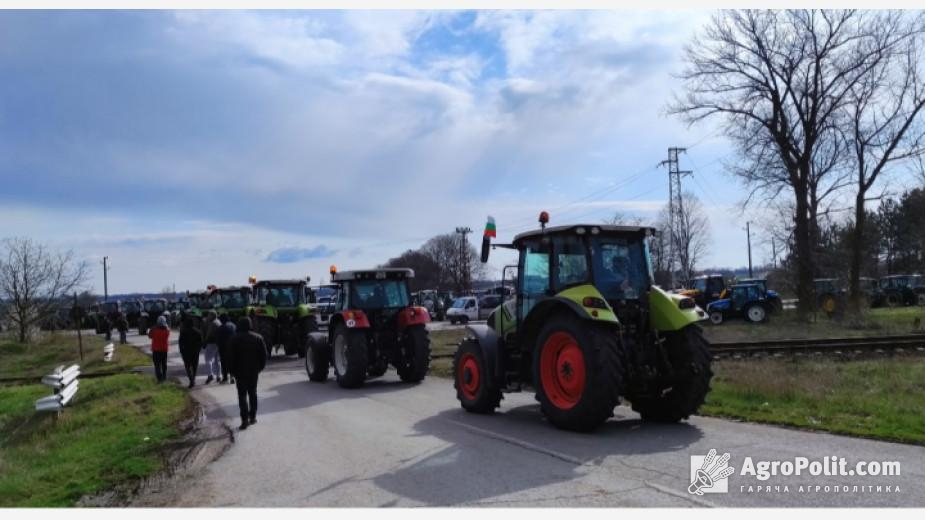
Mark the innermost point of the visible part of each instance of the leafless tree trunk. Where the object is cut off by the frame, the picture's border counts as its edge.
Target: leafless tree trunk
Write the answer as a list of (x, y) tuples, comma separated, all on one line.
[(884, 125), (693, 238), (777, 80), (34, 281)]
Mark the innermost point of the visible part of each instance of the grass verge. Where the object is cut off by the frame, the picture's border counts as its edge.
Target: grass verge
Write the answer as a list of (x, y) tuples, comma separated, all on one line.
[(443, 345), (36, 359), (113, 432), (882, 398)]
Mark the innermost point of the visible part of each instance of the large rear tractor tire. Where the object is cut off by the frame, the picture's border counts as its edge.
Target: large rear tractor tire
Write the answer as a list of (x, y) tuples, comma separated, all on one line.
[(756, 313), (475, 388), (578, 372), (415, 355), (350, 357), (317, 361), (682, 396)]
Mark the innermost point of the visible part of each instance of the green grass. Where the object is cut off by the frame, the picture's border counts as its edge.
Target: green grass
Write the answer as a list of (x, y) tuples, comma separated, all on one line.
[(113, 432), (51, 350), (444, 342), (882, 398), (874, 322)]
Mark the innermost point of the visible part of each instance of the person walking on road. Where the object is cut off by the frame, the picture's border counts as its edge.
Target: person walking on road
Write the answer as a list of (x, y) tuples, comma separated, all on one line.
[(160, 335), (190, 345), (223, 338), (122, 325), (212, 362), (248, 355)]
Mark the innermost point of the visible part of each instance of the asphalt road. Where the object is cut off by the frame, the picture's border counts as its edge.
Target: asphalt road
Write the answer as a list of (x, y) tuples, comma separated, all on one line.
[(392, 444)]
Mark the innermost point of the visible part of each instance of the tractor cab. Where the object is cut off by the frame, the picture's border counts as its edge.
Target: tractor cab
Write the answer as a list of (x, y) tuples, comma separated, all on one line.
[(151, 309), (773, 297), (235, 301), (586, 326), (706, 289)]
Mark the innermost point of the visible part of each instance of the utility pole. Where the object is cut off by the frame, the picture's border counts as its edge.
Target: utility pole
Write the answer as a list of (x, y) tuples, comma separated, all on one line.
[(774, 252), (105, 280), (675, 206), (748, 233), (464, 257)]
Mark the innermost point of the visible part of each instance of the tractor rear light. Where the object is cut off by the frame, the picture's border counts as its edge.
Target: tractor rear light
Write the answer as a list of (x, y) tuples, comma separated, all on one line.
[(594, 302), (686, 303)]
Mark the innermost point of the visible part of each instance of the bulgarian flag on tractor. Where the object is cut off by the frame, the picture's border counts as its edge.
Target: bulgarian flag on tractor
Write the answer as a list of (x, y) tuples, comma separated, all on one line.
[(490, 231)]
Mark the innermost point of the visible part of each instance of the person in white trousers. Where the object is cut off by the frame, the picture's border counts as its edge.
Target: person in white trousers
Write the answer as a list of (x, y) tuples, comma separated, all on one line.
[(213, 364)]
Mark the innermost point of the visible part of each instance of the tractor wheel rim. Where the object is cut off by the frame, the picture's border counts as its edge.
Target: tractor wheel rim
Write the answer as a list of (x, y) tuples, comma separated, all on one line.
[(716, 318), (340, 354), (469, 376), (829, 305), (562, 370), (756, 313)]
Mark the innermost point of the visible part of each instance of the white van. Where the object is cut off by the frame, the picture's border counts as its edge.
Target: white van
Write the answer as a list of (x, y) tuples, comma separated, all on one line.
[(471, 308)]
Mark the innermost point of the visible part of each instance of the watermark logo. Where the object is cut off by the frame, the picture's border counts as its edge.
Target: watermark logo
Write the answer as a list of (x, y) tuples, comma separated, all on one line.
[(709, 474)]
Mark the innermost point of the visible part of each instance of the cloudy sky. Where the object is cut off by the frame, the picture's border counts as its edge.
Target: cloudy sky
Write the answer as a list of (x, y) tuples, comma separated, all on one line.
[(203, 147)]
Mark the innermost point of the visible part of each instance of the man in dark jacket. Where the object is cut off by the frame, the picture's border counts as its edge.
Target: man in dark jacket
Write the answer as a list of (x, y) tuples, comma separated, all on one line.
[(223, 338), (190, 344), (248, 355)]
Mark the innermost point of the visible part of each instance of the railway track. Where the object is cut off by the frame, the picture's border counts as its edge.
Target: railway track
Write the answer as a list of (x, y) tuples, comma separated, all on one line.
[(855, 345), (879, 344)]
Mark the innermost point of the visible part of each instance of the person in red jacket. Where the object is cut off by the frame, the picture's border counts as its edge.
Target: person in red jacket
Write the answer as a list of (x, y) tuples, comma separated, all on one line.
[(159, 340)]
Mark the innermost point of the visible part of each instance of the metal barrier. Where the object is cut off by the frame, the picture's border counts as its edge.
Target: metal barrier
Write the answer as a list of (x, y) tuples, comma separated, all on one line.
[(65, 384)]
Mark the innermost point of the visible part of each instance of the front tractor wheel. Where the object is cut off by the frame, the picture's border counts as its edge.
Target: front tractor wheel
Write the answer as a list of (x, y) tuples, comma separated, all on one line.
[(415, 354), (475, 388), (317, 361), (577, 372), (686, 380), (716, 317), (350, 357)]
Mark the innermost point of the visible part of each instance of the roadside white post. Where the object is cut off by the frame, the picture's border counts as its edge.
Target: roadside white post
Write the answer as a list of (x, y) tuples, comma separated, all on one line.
[(65, 385), (108, 351)]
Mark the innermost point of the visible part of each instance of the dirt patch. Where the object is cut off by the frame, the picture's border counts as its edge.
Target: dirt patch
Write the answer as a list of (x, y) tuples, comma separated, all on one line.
[(202, 442)]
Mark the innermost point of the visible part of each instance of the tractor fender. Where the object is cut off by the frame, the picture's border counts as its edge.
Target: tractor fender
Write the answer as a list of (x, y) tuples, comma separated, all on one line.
[(543, 309), (487, 339)]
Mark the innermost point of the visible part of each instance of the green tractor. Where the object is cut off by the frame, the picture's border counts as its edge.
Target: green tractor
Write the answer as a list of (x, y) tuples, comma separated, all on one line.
[(235, 302), (284, 314), (587, 326)]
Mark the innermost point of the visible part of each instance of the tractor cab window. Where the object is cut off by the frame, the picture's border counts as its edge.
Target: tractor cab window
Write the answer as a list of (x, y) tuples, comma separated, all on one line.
[(714, 286), (700, 284), (215, 299), (535, 278), (620, 267), (379, 294), (154, 307), (234, 300), (572, 263), (282, 296)]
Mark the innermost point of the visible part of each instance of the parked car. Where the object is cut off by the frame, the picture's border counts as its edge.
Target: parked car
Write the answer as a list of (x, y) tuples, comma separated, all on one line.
[(471, 308)]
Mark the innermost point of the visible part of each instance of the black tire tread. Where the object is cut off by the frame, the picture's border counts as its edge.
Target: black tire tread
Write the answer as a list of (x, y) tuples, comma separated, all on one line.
[(686, 397), (489, 395), (357, 358), (415, 369)]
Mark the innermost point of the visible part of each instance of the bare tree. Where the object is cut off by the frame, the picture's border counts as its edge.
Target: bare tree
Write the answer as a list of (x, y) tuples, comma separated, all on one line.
[(693, 236), (884, 121), (34, 281), (777, 80), (620, 218), (658, 249)]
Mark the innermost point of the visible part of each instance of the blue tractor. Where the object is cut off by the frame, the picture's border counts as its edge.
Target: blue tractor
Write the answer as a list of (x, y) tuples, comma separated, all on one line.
[(747, 301), (774, 301)]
